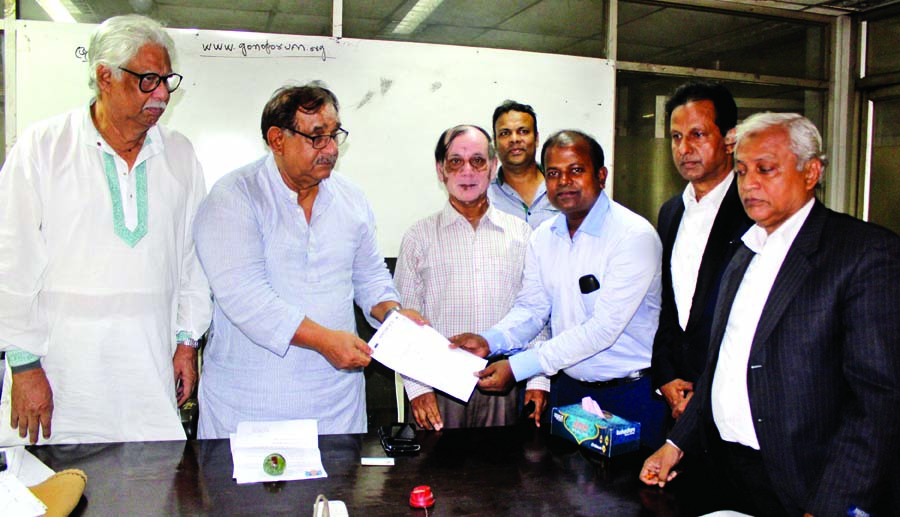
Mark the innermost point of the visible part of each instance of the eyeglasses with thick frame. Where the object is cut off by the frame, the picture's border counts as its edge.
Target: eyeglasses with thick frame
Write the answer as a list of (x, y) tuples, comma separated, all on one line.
[(455, 164), (149, 82), (321, 141)]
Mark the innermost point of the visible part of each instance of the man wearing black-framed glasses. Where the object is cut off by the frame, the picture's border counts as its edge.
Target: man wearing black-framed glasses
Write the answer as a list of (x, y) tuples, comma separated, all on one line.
[(102, 298), (149, 82), (288, 247)]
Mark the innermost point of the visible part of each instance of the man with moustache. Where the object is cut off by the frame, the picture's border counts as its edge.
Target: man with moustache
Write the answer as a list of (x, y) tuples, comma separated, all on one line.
[(519, 187), (797, 405), (102, 298), (461, 268), (697, 228), (288, 247), (594, 273)]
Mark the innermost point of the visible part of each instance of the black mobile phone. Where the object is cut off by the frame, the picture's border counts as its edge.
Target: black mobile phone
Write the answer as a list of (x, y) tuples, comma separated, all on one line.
[(588, 284), (398, 438)]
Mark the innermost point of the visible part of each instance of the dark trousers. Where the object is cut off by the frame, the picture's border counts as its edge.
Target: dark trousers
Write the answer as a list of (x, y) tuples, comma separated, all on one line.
[(631, 401), (751, 490)]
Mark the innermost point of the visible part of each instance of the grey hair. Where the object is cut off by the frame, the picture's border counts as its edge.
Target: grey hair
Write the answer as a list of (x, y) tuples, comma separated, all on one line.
[(449, 135), (117, 40), (806, 142)]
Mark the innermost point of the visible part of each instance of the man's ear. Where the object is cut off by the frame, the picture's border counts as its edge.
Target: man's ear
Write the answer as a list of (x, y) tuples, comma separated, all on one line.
[(275, 139), (104, 78), (812, 173), (493, 163), (601, 175), (439, 168), (730, 138)]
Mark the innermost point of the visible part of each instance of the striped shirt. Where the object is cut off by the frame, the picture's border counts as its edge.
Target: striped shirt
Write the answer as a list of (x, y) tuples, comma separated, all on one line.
[(463, 279)]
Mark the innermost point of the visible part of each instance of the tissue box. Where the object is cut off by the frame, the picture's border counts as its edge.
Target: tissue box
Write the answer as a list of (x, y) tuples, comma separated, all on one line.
[(608, 436)]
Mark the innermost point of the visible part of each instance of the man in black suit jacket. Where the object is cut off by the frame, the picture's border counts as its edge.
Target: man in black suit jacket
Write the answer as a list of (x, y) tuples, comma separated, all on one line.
[(799, 403), (696, 229)]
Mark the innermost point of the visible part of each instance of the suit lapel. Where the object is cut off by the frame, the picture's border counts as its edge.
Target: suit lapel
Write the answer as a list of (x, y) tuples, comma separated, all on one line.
[(671, 229), (793, 273), (731, 280)]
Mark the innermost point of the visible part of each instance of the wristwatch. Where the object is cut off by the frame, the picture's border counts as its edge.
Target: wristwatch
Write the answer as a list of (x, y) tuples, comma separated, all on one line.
[(192, 343), (395, 308)]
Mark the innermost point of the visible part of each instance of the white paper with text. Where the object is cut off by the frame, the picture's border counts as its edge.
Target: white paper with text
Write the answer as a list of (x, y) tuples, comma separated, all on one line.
[(422, 353)]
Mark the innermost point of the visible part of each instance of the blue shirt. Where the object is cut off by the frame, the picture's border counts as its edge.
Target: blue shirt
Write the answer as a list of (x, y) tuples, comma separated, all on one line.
[(505, 198), (268, 270), (598, 336)]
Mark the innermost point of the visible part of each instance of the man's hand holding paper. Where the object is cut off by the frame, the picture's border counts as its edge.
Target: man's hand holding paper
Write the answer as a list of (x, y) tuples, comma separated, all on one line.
[(471, 343)]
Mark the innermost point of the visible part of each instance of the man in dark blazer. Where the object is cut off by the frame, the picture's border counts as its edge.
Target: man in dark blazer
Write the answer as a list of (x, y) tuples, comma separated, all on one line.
[(697, 228), (799, 403)]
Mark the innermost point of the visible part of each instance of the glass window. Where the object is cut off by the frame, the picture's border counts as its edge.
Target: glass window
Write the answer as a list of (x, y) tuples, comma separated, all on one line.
[(883, 189), (882, 56), (735, 42)]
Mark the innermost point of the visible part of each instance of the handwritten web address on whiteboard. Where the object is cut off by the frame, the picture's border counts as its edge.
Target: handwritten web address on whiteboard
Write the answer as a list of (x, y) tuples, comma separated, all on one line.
[(264, 49)]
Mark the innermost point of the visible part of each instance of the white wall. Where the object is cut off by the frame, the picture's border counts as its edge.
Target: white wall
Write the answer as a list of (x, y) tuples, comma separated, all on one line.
[(396, 98)]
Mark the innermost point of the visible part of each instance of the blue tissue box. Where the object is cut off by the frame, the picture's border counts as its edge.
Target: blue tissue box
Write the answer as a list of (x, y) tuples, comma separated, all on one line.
[(608, 436)]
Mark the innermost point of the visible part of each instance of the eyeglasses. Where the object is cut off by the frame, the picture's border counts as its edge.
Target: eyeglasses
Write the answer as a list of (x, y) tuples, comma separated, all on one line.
[(149, 82), (321, 141), (456, 164)]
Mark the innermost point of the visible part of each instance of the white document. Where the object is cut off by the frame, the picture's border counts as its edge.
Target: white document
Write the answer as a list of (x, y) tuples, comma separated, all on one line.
[(296, 440), (25, 466), (16, 500), (422, 353), (23, 470)]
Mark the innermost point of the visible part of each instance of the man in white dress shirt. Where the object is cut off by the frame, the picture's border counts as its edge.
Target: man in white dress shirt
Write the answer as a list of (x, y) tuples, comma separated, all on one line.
[(593, 272), (102, 298), (697, 229)]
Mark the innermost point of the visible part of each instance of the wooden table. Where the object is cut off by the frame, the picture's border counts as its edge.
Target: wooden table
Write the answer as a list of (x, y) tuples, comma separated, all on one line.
[(494, 471)]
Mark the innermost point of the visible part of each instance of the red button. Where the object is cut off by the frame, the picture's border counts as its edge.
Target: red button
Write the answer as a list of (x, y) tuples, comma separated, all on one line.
[(421, 497)]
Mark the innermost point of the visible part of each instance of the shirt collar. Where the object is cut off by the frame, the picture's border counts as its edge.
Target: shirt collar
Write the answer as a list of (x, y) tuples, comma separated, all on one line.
[(278, 185), (285, 193), (153, 142), (712, 198), (757, 239), (499, 179), (592, 224), (449, 216)]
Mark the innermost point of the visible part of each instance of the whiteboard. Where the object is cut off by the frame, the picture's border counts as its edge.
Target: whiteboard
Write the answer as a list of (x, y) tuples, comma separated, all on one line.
[(396, 98)]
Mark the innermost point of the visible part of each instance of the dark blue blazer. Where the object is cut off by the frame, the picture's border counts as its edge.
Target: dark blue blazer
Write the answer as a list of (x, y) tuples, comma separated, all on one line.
[(681, 353), (824, 370)]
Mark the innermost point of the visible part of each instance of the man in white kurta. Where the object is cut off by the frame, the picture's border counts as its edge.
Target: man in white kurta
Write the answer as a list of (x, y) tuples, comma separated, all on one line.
[(288, 247), (99, 282)]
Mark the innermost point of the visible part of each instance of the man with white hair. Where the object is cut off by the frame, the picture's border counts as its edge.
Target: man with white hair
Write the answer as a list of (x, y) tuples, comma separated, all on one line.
[(102, 298), (797, 405)]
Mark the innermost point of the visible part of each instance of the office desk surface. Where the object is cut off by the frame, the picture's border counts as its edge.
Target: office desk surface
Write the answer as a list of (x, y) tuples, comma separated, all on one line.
[(493, 471)]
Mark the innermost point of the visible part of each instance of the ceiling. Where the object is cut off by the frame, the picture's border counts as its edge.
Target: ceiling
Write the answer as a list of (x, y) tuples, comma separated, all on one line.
[(534, 24), (647, 31)]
